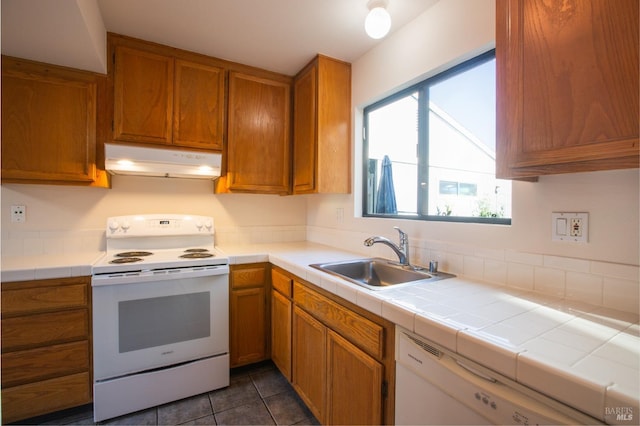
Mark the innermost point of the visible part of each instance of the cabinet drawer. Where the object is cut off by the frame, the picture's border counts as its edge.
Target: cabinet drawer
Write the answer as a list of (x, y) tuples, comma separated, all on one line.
[(45, 298), (248, 277), (34, 399), (40, 329), (44, 363), (359, 330), (281, 282)]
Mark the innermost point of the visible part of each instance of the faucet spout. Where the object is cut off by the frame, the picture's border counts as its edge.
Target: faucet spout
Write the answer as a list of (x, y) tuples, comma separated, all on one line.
[(401, 250)]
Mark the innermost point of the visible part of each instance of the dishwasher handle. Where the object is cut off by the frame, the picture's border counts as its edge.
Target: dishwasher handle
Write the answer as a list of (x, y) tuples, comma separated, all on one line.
[(476, 372)]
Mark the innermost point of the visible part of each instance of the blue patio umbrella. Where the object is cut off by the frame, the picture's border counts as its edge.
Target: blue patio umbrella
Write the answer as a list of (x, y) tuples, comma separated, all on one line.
[(386, 196)]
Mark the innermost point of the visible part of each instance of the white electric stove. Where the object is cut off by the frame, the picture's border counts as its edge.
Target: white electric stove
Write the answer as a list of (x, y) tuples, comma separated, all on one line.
[(160, 313)]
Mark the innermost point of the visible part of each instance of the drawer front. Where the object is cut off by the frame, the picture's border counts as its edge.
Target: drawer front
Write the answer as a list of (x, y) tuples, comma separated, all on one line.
[(38, 299), (48, 396), (248, 277), (281, 282), (44, 363), (359, 330), (40, 329)]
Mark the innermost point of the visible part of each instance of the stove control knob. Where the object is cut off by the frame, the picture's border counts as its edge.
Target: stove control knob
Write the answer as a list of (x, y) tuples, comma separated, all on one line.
[(113, 226), (208, 225), (199, 225), (125, 225)]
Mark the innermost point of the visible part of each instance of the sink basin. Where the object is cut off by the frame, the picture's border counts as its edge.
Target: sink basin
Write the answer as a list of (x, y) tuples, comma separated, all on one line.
[(378, 274)]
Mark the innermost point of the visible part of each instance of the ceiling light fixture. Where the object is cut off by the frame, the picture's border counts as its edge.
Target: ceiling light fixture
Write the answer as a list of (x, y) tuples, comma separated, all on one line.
[(378, 21)]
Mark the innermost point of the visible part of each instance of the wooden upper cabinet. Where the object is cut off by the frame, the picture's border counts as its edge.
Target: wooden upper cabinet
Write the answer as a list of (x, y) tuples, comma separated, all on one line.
[(166, 96), (322, 127), (198, 119), (143, 95), (567, 86), (258, 148), (49, 124)]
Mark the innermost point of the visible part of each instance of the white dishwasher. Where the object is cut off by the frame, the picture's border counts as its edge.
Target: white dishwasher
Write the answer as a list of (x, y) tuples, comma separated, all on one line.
[(437, 387)]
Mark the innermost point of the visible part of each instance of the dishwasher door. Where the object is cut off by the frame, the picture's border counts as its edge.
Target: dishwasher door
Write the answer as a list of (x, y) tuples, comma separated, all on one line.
[(419, 402), (433, 388)]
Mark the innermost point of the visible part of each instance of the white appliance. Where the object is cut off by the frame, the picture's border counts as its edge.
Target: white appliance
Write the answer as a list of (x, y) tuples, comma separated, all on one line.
[(437, 387), (174, 163), (160, 313)]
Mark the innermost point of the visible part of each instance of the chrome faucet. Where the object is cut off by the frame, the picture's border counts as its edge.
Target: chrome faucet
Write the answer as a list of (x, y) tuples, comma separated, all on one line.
[(402, 250)]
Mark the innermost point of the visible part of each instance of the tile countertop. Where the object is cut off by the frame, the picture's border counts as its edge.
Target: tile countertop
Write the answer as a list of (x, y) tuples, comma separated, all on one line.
[(583, 355), (40, 267)]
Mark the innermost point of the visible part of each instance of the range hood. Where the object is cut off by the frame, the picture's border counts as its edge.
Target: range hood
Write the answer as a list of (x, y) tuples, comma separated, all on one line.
[(147, 161)]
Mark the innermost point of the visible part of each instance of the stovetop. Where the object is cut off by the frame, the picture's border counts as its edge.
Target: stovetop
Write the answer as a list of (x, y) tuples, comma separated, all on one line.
[(159, 241), (134, 260)]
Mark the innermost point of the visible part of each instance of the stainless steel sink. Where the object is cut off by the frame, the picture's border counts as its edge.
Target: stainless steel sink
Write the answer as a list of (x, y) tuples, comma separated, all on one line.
[(378, 274)]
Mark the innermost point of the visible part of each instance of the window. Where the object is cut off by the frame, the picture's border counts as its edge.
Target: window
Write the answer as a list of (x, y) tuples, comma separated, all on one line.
[(429, 150)]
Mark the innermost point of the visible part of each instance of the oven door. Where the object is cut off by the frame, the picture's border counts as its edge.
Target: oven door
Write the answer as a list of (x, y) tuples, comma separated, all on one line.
[(175, 318)]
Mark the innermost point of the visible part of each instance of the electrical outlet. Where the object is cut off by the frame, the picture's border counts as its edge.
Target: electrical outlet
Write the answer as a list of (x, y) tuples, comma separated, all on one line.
[(18, 214), (569, 226), (575, 229)]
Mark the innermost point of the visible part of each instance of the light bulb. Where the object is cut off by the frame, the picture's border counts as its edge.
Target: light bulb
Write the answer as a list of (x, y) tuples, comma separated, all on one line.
[(378, 23)]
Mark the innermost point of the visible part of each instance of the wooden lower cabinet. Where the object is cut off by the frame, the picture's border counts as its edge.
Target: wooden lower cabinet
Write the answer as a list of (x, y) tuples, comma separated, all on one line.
[(310, 362), (46, 346), (354, 383), (48, 396), (281, 315), (249, 325), (342, 359)]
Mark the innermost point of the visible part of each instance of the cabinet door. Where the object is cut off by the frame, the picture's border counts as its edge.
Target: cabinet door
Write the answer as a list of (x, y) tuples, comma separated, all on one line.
[(248, 328), (34, 399), (199, 106), (304, 131), (310, 362), (143, 96), (281, 333), (48, 123), (29, 331), (354, 385), (258, 152), (44, 363), (567, 86), (322, 127)]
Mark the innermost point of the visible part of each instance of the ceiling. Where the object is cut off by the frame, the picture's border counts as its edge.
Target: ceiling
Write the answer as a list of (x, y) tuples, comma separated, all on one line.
[(278, 35)]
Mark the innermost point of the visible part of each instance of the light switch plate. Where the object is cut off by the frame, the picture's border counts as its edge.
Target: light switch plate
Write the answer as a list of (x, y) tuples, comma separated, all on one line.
[(570, 226)]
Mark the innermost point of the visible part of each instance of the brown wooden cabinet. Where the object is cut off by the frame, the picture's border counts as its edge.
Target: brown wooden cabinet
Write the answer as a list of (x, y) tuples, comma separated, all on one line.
[(567, 86), (350, 372), (165, 96), (281, 320), (258, 147), (49, 124), (249, 324), (46, 346), (322, 127), (309, 358), (342, 359)]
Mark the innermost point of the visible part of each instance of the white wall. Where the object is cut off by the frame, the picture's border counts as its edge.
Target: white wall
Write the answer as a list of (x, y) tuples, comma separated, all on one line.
[(523, 254), (66, 215)]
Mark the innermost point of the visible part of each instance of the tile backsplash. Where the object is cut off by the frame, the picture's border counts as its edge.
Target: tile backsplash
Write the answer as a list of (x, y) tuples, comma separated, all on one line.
[(606, 284), (611, 285)]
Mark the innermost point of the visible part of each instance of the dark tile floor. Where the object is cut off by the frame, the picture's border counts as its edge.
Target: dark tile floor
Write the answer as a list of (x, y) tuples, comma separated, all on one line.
[(257, 395)]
